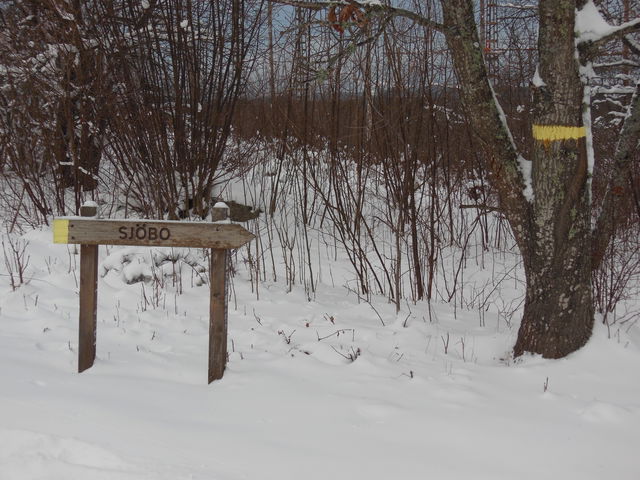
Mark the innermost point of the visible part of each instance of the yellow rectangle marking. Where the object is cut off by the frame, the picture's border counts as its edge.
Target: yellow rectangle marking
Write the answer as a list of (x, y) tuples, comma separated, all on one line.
[(61, 231), (549, 133)]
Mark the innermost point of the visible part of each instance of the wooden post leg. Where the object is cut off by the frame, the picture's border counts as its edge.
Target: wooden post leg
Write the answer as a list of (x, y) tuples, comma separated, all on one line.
[(88, 299), (88, 306), (218, 314)]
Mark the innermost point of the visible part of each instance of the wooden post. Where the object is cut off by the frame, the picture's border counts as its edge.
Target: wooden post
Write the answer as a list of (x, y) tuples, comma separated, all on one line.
[(88, 298), (218, 303)]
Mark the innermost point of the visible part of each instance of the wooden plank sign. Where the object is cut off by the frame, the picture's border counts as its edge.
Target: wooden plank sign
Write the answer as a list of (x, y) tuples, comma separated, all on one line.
[(90, 232)]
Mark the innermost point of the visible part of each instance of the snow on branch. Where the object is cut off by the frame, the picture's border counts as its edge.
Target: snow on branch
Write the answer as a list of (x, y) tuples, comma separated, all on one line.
[(617, 63), (614, 90), (526, 6), (590, 27)]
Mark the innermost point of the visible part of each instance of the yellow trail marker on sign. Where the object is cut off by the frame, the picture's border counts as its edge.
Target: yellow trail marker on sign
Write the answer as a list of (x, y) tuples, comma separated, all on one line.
[(60, 231)]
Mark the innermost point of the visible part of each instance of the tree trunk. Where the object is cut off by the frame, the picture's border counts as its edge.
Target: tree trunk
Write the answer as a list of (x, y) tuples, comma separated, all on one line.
[(552, 227), (558, 311), (558, 316)]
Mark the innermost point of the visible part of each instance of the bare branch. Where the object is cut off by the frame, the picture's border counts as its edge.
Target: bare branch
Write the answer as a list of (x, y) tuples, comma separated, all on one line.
[(483, 207), (485, 114), (619, 63), (625, 150), (376, 10)]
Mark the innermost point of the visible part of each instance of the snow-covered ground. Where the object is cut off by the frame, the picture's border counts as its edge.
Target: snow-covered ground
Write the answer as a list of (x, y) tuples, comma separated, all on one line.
[(313, 390)]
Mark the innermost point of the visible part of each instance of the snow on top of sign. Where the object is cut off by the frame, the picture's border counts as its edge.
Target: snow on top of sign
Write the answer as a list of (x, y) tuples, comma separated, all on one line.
[(591, 27)]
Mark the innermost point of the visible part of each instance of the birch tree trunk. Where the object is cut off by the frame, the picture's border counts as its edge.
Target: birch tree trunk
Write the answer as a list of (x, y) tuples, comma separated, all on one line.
[(552, 226), (558, 314)]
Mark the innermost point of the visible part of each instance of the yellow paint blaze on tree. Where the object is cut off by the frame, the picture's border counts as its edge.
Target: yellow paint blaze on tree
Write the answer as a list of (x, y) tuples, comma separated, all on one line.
[(550, 133)]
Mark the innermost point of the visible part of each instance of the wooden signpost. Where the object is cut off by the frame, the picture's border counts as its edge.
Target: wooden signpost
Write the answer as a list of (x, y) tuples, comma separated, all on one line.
[(89, 232)]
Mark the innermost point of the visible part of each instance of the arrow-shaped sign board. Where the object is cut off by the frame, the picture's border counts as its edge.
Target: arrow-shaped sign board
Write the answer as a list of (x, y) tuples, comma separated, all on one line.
[(90, 231)]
